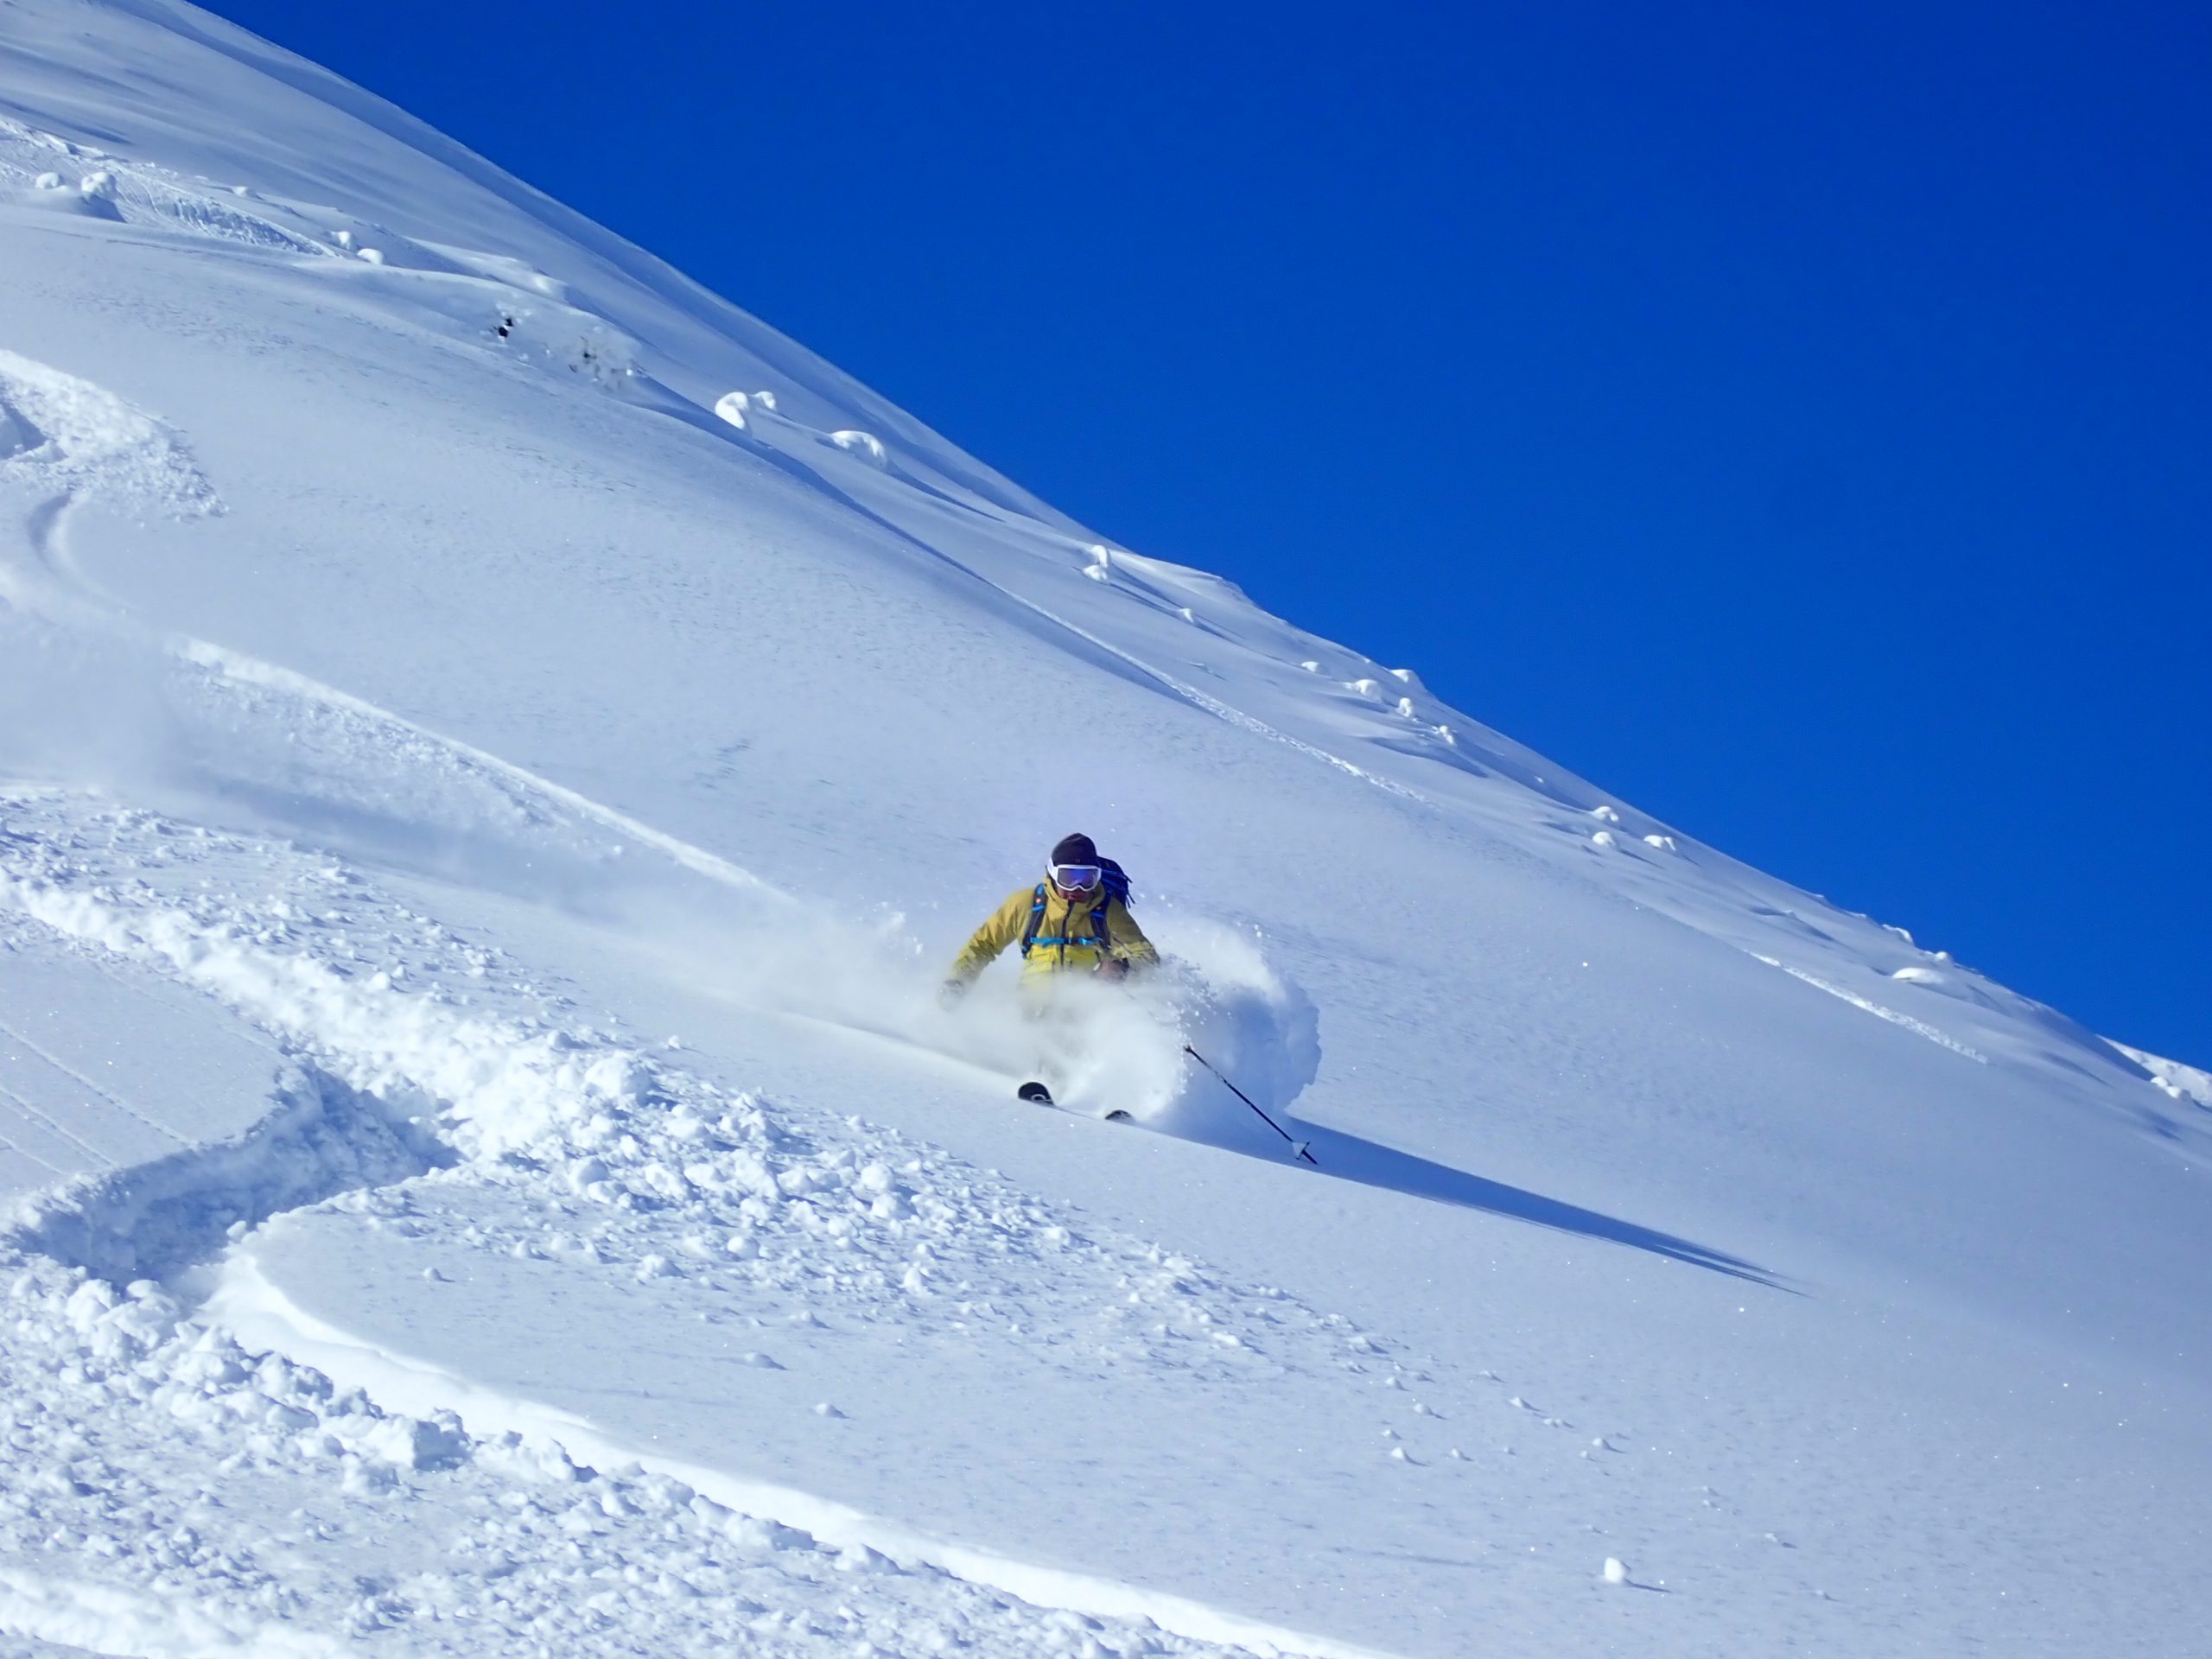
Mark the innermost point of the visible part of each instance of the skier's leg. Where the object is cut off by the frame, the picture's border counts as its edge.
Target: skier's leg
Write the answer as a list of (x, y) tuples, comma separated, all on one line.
[(1053, 1026), (1037, 1015)]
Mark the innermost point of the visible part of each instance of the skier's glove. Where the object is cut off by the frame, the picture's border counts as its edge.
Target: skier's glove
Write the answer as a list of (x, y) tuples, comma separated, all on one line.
[(949, 993)]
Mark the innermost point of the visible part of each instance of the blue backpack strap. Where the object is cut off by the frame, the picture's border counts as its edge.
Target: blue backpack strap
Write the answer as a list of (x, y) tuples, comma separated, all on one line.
[(1036, 916), (1099, 936)]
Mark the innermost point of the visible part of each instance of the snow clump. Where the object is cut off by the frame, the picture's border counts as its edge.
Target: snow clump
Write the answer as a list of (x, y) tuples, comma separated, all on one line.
[(866, 444)]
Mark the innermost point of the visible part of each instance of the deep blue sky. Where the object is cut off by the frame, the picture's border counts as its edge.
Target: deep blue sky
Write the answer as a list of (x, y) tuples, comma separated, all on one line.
[(1801, 425)]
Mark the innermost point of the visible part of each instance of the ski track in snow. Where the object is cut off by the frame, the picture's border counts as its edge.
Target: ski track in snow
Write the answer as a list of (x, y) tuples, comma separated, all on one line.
[(619, 1158), (89, 445), (246, 671), (89, 1087), (1918, 1027), (53, 1127), (79, 440)]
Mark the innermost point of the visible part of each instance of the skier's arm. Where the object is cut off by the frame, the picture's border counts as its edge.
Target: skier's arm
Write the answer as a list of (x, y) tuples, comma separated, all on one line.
[(1125, 940), (994, 935)]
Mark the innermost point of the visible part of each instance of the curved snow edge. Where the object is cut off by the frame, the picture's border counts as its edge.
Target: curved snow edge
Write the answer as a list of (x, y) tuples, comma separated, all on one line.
[(260, 1316)]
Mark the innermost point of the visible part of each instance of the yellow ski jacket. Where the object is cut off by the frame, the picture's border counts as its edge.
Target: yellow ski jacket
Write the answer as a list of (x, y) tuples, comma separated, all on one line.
[(1073, 935)]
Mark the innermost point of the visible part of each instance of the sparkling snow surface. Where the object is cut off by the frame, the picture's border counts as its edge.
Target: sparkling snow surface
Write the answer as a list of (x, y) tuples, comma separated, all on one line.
[(496, 749)]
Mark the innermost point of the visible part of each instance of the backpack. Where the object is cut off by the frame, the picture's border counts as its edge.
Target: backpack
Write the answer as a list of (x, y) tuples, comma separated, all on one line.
[(1113, 883)]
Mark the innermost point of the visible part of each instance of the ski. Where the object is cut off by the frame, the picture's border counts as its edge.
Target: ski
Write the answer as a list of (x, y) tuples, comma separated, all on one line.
[(1037, 1095)]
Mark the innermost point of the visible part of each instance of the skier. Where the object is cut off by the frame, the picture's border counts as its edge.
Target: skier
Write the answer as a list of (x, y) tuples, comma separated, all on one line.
[(1073, 922), (1073, 927)]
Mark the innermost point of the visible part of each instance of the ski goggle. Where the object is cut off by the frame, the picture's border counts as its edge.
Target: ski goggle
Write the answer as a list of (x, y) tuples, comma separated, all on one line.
[(1075, 878)]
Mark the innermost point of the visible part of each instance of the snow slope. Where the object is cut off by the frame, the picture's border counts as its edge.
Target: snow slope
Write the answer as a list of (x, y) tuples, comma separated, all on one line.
[(500, 745)]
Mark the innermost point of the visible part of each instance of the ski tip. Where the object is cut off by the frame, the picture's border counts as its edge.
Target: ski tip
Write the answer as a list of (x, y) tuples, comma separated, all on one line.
[(1117, 1115), (1036, 1093)]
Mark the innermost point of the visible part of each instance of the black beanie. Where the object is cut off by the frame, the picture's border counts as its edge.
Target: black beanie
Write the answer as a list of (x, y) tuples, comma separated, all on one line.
[(1076, 850)]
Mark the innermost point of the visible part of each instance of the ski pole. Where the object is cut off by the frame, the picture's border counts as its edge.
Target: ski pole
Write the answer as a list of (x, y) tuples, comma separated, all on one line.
[(1296, 1146)]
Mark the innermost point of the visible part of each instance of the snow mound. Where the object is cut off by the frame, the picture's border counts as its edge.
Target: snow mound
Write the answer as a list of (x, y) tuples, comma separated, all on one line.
[(93, 197), (2176, 1080), (866, 445)]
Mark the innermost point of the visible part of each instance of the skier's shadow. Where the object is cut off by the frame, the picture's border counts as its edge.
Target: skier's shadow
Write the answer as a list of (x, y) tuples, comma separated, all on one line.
[(1354, 1158)]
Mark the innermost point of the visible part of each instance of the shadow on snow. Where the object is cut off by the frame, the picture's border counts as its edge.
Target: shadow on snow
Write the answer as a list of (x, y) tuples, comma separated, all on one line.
[(1354, 1158)]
